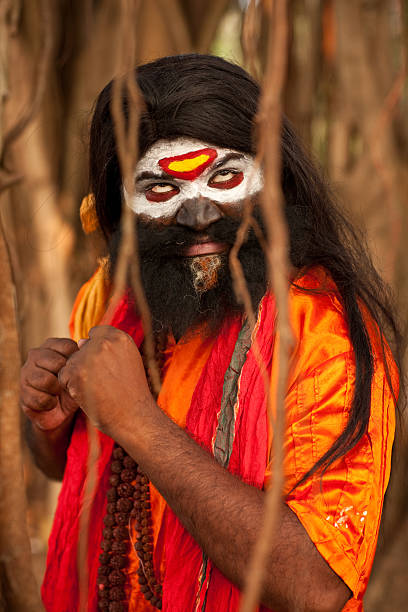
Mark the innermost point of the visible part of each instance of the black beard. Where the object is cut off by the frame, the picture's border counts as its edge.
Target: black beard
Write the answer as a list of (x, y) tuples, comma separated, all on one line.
[(168, 281)]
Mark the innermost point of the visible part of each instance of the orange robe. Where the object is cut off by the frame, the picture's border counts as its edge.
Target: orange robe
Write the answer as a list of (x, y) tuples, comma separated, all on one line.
[(340, 511)]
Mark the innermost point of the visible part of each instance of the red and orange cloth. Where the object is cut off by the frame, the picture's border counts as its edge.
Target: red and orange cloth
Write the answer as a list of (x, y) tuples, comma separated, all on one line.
[(340, 512)]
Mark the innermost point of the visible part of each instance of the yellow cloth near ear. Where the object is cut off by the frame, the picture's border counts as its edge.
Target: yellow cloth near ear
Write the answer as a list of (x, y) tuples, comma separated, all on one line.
[(87, 212), (90, 304)]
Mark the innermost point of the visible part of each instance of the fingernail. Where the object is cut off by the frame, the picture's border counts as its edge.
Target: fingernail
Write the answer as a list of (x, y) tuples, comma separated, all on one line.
[(82, 341)]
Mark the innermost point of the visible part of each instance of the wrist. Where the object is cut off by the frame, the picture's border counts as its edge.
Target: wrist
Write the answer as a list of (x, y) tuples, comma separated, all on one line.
[(144, 424)]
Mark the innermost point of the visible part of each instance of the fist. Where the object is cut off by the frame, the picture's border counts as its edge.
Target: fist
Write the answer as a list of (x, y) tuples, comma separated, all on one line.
[(106, 378), (44, 401)]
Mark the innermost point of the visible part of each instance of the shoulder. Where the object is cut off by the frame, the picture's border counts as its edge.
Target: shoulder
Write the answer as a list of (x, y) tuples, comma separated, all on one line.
[(321, 332)]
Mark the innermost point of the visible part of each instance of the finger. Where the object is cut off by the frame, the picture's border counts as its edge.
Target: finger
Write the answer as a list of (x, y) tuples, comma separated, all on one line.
[(64, 346), (71, 378), (82, 341), (47, 359), (42, 380), (37, 400)]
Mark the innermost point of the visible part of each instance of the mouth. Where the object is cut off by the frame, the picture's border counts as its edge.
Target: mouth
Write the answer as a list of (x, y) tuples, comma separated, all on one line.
[(205, 248)]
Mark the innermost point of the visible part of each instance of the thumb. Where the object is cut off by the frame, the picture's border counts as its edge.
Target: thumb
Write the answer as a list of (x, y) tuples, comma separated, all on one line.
[(68, 404)]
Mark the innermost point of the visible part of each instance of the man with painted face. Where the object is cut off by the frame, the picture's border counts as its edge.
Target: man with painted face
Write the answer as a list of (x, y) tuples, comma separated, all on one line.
[(181, 478)]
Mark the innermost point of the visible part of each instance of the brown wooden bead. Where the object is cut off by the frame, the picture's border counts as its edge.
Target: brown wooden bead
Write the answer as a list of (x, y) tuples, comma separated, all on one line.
[(118, 561), (109, 520), (117, 594), (146, 531), (103, 570), (103, 604), (133, 513), (116, 467), (127, 475), (122, 518), (154, 601), (149, 576), (107, 533), (124, 505), (116, 606), (106, 545), (125, 489), (103, 589), (117, 578), (148, 595), (103, 581), (112, 494), (145, 588), (118, 453), (128, 462), (111, 508), (120, 533), (114, 480), (104, 558), (120, 546)]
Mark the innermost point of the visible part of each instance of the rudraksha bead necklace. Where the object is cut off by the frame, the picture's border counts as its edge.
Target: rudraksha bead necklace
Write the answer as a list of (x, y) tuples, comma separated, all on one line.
[(128, 498)]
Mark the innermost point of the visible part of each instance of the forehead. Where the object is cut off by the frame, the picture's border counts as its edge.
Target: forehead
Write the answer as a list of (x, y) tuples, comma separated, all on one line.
[(190, 154)]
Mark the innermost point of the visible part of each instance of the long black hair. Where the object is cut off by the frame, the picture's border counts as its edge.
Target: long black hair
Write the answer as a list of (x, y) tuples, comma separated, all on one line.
[(210, 99)]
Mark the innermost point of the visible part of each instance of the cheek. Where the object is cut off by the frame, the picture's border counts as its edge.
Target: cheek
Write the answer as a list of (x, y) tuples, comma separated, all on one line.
[(231, 209), (163, 211)]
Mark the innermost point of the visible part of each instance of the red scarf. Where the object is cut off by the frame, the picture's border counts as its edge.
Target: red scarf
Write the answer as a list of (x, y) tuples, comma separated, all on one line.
[(241, 444)]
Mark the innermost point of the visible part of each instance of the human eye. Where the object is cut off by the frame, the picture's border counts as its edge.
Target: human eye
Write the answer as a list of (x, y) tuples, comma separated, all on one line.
[(160, 192), (226, 179)]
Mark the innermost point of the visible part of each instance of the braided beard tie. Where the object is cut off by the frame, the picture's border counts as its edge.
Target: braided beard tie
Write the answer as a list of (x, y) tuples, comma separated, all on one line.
[(205, 271)]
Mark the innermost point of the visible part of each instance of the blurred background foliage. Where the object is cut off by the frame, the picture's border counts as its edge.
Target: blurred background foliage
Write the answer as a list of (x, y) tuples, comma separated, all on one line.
[(346, 93)]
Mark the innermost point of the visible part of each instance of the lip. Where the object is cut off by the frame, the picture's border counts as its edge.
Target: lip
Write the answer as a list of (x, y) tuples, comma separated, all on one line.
[(205, 248)]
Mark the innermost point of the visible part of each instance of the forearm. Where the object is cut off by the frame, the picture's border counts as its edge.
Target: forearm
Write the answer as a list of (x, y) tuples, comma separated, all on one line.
[(49, 448), (223, 515)]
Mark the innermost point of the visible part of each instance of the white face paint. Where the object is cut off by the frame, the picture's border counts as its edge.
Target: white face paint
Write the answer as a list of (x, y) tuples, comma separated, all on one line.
[(218, 182)]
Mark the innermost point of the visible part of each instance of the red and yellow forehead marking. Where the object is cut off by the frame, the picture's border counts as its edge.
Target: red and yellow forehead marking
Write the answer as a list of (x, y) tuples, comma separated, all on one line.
[(189, 165)]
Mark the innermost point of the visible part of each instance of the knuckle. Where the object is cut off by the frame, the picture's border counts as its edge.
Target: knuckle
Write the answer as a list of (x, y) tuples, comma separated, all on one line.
[(32, 354), (36, 402), (105, 343)]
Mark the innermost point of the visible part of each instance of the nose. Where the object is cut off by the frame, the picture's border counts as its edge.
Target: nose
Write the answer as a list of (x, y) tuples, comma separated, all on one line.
[(198, 213)]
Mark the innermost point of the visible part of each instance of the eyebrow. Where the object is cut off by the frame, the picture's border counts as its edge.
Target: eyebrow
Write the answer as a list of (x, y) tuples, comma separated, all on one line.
[(143, 176), (228, 157)]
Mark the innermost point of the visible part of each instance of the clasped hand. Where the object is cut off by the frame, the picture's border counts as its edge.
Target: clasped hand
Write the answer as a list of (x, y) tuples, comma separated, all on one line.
[(105, 378)]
